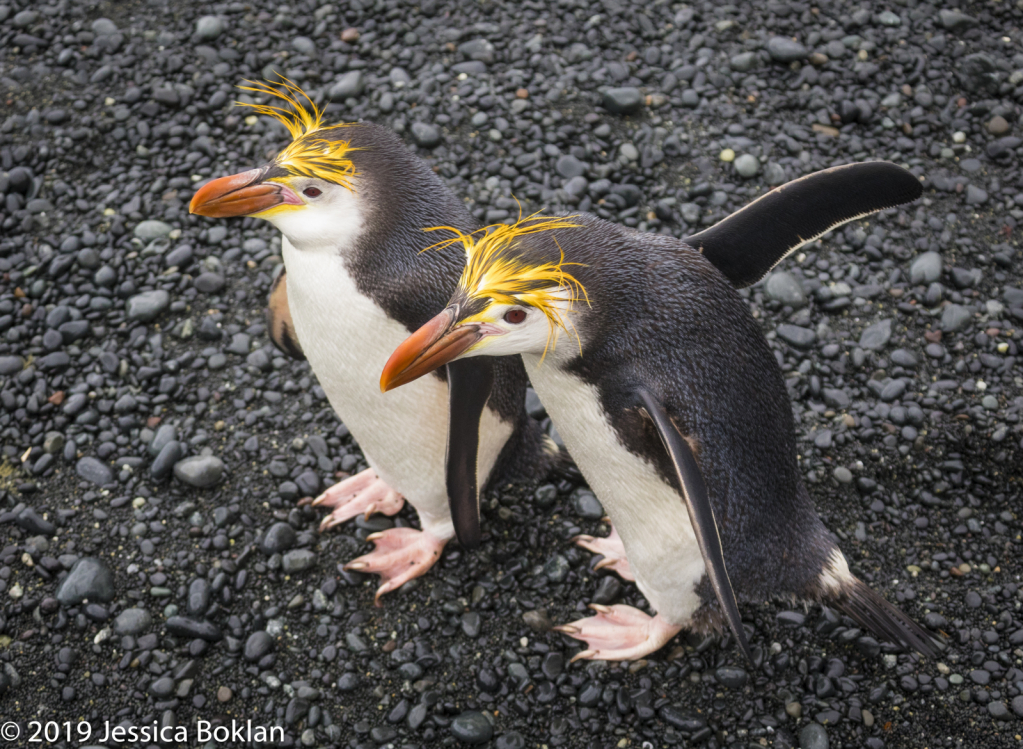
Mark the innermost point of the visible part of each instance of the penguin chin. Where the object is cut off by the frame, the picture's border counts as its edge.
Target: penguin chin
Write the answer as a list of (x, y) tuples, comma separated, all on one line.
[(333, 223)]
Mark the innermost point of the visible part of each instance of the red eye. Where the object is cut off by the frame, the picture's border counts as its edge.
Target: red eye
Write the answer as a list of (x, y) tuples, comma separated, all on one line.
[(515, 316), (312, 192)]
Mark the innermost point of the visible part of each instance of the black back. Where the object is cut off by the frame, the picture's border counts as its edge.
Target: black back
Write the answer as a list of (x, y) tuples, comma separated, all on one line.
[(403, 196), (664, 318)]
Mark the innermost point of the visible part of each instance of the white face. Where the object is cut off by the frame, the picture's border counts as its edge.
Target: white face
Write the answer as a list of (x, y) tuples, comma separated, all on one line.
[(318, 215), (521, 329)]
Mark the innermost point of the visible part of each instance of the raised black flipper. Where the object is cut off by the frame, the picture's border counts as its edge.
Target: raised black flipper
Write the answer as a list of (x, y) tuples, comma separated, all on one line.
[(748, 244), (469, 384), (701, 514), (278, 319)]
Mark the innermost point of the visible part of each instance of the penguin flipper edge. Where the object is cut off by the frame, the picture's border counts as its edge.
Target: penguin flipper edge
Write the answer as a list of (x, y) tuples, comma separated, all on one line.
[(746, 245), (701, 514), (469, 384)]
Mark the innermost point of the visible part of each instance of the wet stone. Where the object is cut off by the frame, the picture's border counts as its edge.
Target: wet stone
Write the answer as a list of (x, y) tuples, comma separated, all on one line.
[(209, 283), (876, 336), (510, 740), (89, 579), (298, 560), (813, 736), (623, 100), (426, 135), (608, 590), (148, 305), (132, 622), (209, 28), (783, 49), (587, 506), (198, 597), (94, 470), (926, 268), (747, 166), (472, 728), (796, 336), (257, 645), (784, 288), (150, 230), (200, 471), (731, 677), (279, 538), (11, 364), (556, 569), (954, 317), (349, 85), (194, 629)]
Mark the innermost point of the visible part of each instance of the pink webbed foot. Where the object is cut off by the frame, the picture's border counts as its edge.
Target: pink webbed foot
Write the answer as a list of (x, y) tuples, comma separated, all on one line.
[(611, 549), (400, 555), (361, 494), (619, 633)]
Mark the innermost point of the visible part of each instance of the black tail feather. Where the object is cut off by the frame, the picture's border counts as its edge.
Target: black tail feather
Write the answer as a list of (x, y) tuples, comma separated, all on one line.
[(871, 611)]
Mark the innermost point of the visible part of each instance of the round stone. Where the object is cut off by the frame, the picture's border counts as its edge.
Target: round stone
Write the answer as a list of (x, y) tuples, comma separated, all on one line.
[(747, 166), (626, 100), (731, 677), (132, 622), (843, 475), (149, 230), (472, 728), (209, 28), (148, 305), (783, 49), (783, 287), (94, 470), (200, 471), (279, 538), (586, 505), (350, 85), (426, 135), (209, 283), (259, 644), (813, 736)]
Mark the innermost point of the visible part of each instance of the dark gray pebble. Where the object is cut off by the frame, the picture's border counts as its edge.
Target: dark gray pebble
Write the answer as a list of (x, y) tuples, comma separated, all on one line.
[(90, 579)]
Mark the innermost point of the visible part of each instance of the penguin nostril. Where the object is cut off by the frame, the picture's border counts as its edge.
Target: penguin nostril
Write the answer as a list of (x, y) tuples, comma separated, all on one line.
[(515, 316), (312, 192)]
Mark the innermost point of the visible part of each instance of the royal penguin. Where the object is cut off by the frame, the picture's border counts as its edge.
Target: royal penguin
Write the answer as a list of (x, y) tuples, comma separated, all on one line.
[(350, 201), (671, 402)]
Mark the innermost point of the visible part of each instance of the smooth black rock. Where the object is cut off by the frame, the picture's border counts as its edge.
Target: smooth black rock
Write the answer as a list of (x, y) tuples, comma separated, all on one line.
[(89, 579), (187, 627), (626, 100), (472, 728), (257, 645)]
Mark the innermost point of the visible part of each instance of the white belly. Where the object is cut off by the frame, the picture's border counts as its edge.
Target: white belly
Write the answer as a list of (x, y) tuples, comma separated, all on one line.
[(650, 516), (347, 339)]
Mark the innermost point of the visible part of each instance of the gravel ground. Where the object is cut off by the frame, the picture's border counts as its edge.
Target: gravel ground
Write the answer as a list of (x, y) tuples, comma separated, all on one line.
[(154, 565)]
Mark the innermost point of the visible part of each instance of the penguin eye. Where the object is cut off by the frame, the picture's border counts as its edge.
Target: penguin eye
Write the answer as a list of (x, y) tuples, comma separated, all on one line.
[(312, 192), (515, 316)]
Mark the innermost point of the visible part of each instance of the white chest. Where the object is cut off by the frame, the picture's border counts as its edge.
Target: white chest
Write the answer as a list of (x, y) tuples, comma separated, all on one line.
[(347, 339), (650, 516)]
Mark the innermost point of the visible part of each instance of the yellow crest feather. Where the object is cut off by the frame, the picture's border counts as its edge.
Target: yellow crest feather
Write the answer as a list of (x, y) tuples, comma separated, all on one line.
[(309, 154), (493, 271)]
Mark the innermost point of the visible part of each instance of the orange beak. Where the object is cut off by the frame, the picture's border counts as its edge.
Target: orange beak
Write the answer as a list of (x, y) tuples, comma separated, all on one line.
[(433, 345), (240, 195)]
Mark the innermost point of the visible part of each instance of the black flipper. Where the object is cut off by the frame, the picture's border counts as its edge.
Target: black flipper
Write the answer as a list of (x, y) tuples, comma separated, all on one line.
[(748, 244), (701, 515), (469, 384), (871, 611)]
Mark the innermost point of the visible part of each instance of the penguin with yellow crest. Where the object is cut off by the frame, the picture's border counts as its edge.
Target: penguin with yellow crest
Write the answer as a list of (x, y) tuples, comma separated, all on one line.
[(670, 401)]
